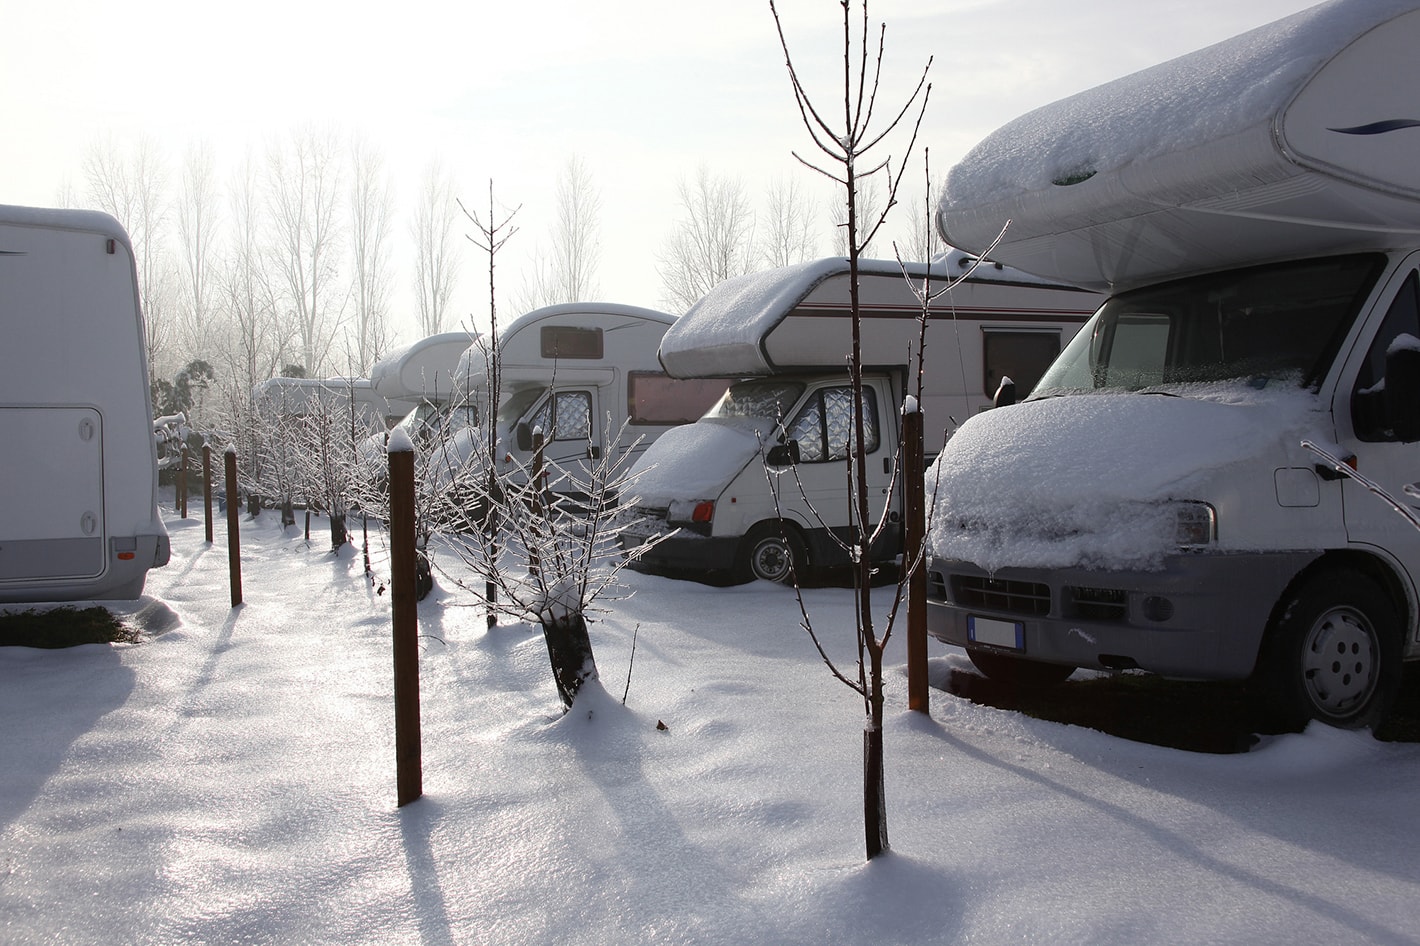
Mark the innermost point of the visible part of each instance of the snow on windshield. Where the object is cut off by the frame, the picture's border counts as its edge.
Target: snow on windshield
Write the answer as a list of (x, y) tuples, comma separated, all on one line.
[(1085, 480)]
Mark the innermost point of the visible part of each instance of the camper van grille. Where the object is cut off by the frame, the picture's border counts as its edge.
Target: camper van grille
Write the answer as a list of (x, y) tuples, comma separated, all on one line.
[(996, 594), (1096, 604)]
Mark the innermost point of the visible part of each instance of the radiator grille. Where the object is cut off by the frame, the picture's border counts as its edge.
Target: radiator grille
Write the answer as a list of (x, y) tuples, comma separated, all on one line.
[(995, 594)]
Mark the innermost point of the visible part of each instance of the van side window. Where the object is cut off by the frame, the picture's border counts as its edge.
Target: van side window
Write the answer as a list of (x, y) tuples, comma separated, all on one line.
[(1019, 355), (656, 398), (824, 428), (565, 341), (567, 415), (1367, 409)]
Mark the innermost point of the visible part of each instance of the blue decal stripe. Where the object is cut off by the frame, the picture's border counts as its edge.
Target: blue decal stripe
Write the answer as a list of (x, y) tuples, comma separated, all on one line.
[(1379, 128)]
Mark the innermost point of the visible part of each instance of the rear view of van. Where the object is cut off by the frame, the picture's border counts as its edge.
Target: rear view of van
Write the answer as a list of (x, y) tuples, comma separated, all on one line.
[(78, 466)]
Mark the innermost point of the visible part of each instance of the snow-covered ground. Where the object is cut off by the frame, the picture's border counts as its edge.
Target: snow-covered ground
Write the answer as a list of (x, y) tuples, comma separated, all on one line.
[(231, 780)]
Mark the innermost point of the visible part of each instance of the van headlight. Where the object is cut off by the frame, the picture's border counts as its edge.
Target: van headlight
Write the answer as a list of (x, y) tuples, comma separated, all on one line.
[(1197, 524)]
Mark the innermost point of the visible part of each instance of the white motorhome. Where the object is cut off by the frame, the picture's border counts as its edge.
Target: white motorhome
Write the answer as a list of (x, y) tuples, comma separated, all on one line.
[(1254, 208), (79, 504), (786, 334), (578, 372), (293, 397), (421, 375)]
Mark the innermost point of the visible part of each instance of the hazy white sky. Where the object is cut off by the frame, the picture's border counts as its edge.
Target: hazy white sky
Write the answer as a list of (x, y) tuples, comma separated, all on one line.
[(644, 91)]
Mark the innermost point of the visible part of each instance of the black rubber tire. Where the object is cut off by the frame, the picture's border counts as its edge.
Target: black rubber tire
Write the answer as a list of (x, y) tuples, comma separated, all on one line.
[(1003, 668), (772, 552), (1332, 654)]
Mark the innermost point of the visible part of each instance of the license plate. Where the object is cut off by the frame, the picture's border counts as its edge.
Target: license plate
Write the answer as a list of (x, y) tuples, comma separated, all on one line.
[(1009, 634)]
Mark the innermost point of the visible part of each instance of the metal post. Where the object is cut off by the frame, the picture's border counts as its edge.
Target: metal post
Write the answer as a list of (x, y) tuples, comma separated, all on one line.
[(404, 605)]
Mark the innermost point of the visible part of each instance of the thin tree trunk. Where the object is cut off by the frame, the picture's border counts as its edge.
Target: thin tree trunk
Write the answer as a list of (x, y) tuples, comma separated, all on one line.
[(569, 648), (874, 793)]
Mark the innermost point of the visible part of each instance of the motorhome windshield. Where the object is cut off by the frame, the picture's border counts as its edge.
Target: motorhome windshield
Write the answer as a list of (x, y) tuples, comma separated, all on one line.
[(1281, 322), (767, 399), (518, 403)]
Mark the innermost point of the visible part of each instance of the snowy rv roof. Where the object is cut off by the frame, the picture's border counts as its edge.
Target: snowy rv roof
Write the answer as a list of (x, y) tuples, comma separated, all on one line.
[(724, 333), (1294, 138), (423, 369)]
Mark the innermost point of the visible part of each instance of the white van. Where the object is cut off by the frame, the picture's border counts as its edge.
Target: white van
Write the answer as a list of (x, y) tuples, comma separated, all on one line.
[(786, 334), (1255, 209), (578, 372), (79, 501)]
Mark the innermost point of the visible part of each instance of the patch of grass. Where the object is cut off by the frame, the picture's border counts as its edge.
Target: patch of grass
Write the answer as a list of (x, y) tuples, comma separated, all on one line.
[(63, 627), (1198, 717)]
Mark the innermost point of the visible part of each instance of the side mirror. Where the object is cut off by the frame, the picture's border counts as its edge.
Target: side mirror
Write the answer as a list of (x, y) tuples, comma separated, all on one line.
[(1402, 388), (1005, 393), (524, 437), (783, 454)]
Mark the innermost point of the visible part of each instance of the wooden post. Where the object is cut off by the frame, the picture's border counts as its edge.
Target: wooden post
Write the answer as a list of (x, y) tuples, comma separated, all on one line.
[(404, 603), (914, 530), (182, 483), (234, 539), (207, 488)]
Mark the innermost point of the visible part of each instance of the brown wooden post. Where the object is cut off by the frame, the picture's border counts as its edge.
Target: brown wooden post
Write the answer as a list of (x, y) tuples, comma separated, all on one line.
[(914, 514), (404, 603), (207, 489), (234, 539), (182, 483)]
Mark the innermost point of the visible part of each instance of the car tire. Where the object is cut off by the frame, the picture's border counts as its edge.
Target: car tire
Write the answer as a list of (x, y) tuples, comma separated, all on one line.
[(1332, 653), (1003, 668), (773, 552)]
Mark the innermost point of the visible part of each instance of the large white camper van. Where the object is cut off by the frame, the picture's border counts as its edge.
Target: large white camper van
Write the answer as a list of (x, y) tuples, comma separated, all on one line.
[(286, 398), (78, 470), (425, 376), (1255, 209), (420, 377), (578, 372), (786, 334)]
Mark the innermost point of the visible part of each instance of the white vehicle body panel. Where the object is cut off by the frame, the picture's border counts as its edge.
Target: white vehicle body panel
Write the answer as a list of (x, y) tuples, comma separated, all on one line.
[(78, 472)]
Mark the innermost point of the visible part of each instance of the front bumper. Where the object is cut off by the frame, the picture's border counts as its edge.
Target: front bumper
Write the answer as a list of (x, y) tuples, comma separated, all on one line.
[(684, 553), (1202, 616)]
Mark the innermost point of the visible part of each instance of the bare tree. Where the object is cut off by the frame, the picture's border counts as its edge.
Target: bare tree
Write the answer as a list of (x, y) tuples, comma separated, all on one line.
[(790, 231), (197, 226), (549, 564), (568, 273), (921, 243), (712, 241), (253, 348), (847, 154), (303, 190), (493, 235), (435, 268), (371, 205), (867, 215), (131, 189)]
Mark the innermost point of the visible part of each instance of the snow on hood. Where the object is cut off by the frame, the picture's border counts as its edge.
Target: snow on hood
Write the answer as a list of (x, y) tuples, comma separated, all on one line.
[(694, 461), (1084, 480)]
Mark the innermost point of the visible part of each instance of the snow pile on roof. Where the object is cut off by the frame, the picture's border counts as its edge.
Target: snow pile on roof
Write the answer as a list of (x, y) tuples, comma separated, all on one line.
[(1203, 96), (1081, 480), (729, 322)]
